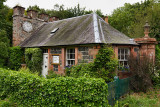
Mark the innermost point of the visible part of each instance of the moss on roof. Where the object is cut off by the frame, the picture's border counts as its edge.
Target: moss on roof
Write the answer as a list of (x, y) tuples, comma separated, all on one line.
[(77, 30)]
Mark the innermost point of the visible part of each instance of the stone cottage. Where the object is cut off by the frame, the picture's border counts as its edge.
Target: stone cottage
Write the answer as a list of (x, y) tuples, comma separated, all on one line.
[(75, 40)]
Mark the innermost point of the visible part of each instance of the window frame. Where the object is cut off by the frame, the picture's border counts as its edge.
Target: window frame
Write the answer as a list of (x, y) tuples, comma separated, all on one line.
[(124, 55), (68, 59), (55, 68)]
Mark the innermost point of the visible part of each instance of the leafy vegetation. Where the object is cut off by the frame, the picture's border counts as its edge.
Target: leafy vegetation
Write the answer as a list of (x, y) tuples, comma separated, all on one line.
[(33, 59), (26, 89), (129, 19), (149, 99), (103, 66), (62, 13), (4, 45), (15, 58)]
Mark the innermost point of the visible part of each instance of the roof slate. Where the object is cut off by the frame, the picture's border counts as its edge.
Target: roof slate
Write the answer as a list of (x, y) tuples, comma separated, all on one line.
[(77, 30)]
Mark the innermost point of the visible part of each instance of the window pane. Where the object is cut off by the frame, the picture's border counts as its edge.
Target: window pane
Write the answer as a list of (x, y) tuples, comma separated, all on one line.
[(70, 56), (119, 51), (73, 56), (122, 57), (118, 56), (121, 63), (55, 67), (126, 51), (125, 63), (126, 57), (122, 51)]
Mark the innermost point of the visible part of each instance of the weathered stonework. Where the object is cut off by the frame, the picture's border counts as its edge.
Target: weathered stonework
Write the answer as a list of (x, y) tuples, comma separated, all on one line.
[(85, 54), (19, 18)]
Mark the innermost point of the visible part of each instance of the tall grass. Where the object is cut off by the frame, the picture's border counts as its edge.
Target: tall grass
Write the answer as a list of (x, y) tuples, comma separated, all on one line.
[(149, 99)]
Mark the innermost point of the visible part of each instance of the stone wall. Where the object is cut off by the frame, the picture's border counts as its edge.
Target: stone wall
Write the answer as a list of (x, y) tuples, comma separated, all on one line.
[(85, 54), (19, 34)]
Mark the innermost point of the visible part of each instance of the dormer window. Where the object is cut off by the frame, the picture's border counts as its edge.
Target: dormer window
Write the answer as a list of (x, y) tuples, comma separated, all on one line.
[(54, 30)]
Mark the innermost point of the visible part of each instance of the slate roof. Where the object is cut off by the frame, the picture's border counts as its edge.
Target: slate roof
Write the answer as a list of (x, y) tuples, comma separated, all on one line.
[(86, 29)]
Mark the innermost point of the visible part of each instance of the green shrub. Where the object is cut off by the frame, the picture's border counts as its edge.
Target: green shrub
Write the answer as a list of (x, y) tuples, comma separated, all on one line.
[(15, 57), (105, 63), (4, 45), (137, 101), (156, 77), (52, 74), (31, 90), (33, 59), (103, 66), (82, 70)]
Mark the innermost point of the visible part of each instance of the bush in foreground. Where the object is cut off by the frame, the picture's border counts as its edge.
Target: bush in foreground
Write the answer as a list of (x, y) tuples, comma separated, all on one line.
[(31, 90)]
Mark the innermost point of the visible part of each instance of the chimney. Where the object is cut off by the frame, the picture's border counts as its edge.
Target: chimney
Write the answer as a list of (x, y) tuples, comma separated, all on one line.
[(32, 14), (146, 30), (53, 18), (44, 16), (106, 19), (18, 11)]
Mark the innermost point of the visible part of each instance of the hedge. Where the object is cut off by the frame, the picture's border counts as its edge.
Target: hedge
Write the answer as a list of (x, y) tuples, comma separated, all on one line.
[(15, 57), (26, 89), (33, 59)]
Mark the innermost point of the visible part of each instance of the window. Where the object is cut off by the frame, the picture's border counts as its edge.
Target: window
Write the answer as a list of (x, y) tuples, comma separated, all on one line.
[(55, 67), (45, 50), (70, 57), (123, 54)]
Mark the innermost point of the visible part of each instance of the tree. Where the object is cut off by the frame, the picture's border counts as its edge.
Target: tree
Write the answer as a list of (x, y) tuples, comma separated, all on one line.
[(130, 19), (4, 44)]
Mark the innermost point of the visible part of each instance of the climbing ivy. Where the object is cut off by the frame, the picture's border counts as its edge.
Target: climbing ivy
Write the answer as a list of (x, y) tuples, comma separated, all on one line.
[(33, 59), (103, 66)]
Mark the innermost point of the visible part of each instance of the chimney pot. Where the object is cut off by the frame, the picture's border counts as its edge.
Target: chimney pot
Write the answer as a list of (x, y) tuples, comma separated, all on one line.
[(53, 18), (32, 14), (106, 19), (18, 10), (44, 16)]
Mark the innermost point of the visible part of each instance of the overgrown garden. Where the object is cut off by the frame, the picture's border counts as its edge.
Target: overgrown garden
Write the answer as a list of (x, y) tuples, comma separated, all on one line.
[(84, 84)]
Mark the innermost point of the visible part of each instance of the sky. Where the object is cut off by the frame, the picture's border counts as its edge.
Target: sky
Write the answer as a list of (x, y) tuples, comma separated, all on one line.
[(106, 6)]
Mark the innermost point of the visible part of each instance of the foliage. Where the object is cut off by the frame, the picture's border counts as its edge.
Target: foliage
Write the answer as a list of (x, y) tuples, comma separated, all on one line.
[(4, 44), (156, 77), (143, 71), (103, 66), (130, 19), (15, 58), (105, 63), (26, 89), (81, 70), (52, 74), (140, 100), (6, 22), (62, 13), (6, 103), (33, 59)]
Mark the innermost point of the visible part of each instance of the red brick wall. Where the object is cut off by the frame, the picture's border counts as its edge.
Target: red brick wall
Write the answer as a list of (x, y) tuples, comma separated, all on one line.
[(80, 55)]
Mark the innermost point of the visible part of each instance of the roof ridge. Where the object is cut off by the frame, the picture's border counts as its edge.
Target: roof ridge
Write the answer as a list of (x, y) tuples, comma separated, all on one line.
[(72, 18), (96, 30)]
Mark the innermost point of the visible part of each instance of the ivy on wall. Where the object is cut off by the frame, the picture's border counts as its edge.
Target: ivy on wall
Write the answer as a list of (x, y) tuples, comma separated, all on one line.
[(104, 66), (15, 58), (33, 59)]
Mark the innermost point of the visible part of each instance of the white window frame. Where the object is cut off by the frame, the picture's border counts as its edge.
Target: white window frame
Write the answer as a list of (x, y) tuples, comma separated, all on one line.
[(124, 55), (69, 59)]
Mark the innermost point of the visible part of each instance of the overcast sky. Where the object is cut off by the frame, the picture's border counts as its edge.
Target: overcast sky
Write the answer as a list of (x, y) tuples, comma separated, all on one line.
[(106, 6)]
